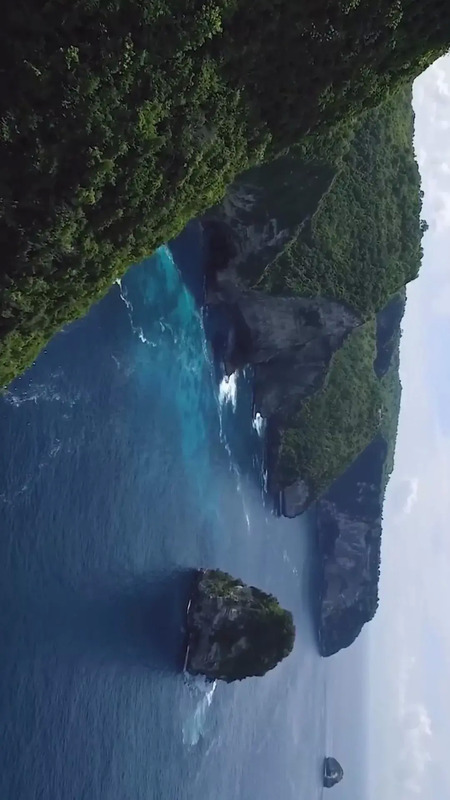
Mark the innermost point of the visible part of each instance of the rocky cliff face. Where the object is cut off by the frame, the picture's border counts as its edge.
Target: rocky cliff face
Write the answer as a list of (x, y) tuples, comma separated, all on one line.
[(235, 631), (288, 341), (348, 521)]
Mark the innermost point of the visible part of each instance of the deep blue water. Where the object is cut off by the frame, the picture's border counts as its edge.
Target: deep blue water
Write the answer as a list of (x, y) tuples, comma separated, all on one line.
[(123, 466)]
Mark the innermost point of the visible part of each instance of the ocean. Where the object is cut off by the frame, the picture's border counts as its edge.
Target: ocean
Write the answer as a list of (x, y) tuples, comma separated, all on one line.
[(127, 461)]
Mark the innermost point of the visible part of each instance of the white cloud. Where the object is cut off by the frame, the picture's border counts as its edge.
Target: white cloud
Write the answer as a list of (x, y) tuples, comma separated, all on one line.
[(415, 754), (441, 303), (411, 500), (432, 104)]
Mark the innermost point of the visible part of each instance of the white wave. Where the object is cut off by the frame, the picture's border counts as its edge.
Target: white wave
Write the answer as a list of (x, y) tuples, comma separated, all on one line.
[(247, 518), (194, 725), (137, 329), (259, 424), (228, 390), (38, 393), (166, 251)]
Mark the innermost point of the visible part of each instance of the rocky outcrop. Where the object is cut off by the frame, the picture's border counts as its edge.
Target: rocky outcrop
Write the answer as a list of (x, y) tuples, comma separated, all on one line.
[(289, 342), (332, 772), (348, 522), (235, 631)]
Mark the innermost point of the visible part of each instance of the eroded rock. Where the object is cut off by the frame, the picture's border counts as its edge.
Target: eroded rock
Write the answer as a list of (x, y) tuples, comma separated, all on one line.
[(235, 631)]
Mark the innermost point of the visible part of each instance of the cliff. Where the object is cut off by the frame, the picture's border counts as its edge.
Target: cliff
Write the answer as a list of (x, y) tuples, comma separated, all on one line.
[(277, 250), (348, 521), (235, 631), (349, 516), (325, 371)]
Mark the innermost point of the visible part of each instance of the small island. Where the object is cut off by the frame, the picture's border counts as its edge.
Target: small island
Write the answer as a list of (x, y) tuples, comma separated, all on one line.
[(332, 772), (235, 631)]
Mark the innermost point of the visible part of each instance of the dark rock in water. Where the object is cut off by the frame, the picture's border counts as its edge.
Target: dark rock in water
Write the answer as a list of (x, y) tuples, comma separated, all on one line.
[(332, 772), (349, 529), (235, 631)]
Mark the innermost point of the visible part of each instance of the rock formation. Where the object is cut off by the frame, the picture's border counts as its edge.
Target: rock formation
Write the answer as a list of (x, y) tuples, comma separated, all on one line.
[(290, 343), (348, 522), (332, 772), (235, 631)]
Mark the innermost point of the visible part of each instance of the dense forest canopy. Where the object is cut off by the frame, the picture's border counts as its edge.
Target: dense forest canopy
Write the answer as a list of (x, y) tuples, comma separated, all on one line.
[(364, 242), (120, 120)]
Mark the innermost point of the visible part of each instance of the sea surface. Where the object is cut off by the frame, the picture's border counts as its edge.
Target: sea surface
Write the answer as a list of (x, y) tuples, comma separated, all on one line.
[(126, 461)]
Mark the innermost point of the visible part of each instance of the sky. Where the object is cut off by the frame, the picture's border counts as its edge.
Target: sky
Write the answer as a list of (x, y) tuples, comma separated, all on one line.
[(408, 642)]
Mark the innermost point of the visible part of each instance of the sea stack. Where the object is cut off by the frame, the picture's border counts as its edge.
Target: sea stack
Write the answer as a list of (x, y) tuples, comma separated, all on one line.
[(235, 631), (332, 772)]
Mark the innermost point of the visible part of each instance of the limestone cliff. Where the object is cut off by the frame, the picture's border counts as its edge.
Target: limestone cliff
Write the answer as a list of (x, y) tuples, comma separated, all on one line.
[(348, 523), (235, 631), (349, 515)]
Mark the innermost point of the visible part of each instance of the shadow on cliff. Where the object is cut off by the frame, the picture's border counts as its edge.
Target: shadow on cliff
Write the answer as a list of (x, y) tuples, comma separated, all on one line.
[(132, 622)]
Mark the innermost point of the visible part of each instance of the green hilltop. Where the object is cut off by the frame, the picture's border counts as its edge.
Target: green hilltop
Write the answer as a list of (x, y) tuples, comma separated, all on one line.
[(364, 242)]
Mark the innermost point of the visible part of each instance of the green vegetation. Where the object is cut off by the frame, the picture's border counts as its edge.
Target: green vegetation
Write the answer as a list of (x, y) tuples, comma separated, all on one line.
[(363, 243), (120, 120), (391, 390), (336, 424)]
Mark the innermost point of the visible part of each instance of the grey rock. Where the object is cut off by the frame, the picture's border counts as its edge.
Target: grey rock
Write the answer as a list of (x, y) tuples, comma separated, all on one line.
[(235, 631), (349, 521), (332, 772)]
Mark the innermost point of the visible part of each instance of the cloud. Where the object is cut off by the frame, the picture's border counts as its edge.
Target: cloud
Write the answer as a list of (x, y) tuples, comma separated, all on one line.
[(432, 105), (441, 302), (411, 500), (415, 754)]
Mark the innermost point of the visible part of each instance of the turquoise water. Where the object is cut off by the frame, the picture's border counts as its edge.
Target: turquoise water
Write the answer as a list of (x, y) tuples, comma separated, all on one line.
[(128, 460)]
